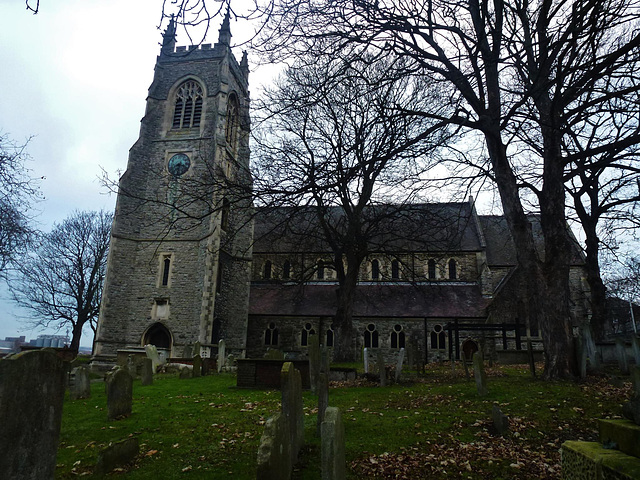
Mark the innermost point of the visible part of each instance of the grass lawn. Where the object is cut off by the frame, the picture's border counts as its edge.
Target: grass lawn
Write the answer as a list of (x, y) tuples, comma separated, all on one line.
[(428, 426)]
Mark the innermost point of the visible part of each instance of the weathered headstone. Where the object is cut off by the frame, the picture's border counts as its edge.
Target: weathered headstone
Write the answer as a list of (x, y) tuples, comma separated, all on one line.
[(292, 407), (131, 365), (197, 349), (314, 361), (81, 386), (590, 346), (382, 371), (152, 353), (621, 354), (187, 351), (31, 396), (479, 375), (635, 343), (500, 420), (532, 360), (274, 354), (399, 364), (274, 452), (197, 365), (186, 371), (323, 398), (119, 394), (222, 355), (631, 409), (146, 372), (366, 360), (466, 366), (116, 455), (333, 458)]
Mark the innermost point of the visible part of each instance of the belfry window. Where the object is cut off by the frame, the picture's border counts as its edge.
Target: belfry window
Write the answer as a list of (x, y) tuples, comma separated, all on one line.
[(320, 270), (233, 121), (395, 269), (165, 269), (188, 106)]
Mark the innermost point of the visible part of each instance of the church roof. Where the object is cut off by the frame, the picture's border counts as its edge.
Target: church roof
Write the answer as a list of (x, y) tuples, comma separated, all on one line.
[(435, 227), (371, 300)]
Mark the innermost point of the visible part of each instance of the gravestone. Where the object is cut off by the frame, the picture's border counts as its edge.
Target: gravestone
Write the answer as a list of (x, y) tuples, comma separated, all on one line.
[(187, 351), (532, 360), (621, 354), (274, 354), (119, 394), (332, 456), (146, 372), (382, 371), (197, 365), (590, 346), (323, 399), (635, 343), (185, 371), (314, 361), (116, 455), (631, 409), (292, 407), (274, 452), (466, 366), (479, 375), (81, 386), (366, 360), (500, 420), (399, 364), (197, 349), (582, 357), (152, 353), (222, 355), (31, 396)]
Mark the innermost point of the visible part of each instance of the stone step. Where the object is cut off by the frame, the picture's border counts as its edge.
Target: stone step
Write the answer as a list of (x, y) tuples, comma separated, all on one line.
[(620, 434)]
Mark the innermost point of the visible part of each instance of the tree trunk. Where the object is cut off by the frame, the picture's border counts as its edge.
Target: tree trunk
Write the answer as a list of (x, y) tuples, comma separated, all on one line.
[(345, 345), (76, 334)]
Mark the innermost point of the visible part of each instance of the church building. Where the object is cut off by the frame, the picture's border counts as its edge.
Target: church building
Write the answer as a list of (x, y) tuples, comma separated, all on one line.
[(190, 261)]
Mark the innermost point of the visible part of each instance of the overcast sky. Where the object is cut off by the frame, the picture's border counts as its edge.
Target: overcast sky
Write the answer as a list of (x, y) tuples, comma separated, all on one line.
[(75, 78)]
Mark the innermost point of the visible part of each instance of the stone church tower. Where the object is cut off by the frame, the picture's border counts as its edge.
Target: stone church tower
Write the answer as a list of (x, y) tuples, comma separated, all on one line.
[(179, 263)]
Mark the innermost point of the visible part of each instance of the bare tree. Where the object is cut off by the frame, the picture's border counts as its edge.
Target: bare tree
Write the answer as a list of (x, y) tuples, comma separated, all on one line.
[(60, 281), (337, 142), (18, 192)]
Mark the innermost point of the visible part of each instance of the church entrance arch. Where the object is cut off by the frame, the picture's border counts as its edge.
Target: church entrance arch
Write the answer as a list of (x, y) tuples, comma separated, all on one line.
[(469, 347), (158, 335)]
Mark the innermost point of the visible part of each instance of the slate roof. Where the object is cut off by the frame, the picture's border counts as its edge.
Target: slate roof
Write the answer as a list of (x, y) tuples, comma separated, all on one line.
[(436, 227), (371, 300)]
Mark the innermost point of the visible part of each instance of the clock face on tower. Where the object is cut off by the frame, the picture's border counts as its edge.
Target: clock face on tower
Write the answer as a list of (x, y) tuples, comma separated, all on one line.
[(178, 164)]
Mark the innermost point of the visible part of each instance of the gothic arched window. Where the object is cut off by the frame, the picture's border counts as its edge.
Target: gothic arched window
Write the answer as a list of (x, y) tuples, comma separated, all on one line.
[(188, 106), (307, 331), (452, 269), (271, 335), (375, 270), (397, 337), (431, 269), (233, 121), (267, 270), (371, 336)]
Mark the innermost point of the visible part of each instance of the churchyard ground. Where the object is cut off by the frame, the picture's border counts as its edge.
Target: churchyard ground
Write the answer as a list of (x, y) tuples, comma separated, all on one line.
[(428, 426)]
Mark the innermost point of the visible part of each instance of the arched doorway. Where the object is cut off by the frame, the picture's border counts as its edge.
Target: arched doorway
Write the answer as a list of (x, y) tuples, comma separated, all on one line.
[(469, 347), (160, 336)]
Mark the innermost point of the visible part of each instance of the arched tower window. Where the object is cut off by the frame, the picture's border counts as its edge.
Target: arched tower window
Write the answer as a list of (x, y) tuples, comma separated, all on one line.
[(266, 273), (233, 121), (375, 270), (224, 213), (188, 107), (331, 336), (452, 269), (431, 269)]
